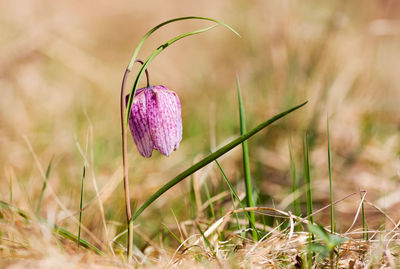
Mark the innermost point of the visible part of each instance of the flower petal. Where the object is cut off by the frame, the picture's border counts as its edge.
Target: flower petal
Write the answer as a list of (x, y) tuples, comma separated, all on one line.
[(138, 124), (164, 118)]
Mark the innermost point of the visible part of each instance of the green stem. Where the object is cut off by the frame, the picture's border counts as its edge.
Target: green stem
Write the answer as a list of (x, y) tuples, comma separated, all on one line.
[(246, 163), (125, 165), (209, 159)]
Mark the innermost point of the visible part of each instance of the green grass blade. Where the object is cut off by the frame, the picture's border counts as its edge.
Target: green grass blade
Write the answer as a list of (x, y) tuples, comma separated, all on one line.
[(211, 205), (11, 207), (239, 227), (233, 192), (206, 241), (150, 58), (82, 190), (47, 176), (308, 194), (61, 231), (246, 161), (192, 199), (308, 178), (295, 187), (330, 177), (364, 224), (211, 157), (230, 186), (66, 234), (174, 235), (151, 31)]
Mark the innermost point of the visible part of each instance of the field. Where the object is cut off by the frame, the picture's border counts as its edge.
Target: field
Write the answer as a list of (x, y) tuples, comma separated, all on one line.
[(61, 66)]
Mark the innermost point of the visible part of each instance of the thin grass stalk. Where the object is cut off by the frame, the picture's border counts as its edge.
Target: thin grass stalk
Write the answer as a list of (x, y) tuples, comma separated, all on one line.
[(330, 178), (44, 186), (180, 242), (211, 157), (192, 199), (246, 162), (82, 191), (211, 205), (233, 192), (308, 178), (96, 189), (236, 215), (308, 194), (364, 225), (206, 241)]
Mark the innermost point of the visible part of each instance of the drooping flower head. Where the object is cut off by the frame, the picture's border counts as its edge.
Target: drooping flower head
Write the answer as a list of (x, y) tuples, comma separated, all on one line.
[(155, 120)]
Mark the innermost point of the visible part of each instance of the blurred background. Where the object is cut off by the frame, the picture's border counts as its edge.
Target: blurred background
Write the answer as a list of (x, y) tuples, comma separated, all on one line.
[(61, 65)]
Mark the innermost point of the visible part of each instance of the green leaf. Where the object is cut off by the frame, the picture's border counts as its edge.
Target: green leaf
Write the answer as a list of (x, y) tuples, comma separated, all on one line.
[(161, 48), (66, 234), (151, 31), (337, 240), (149, 59), (319, 231), (322, 250), (330, 240), (210, 158)]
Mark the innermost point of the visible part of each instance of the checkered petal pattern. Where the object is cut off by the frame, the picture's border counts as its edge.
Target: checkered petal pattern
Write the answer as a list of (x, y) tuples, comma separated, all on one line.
[(155, 121)]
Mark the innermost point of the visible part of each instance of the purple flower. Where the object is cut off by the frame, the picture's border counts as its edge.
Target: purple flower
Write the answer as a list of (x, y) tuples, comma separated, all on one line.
[(155, 120)]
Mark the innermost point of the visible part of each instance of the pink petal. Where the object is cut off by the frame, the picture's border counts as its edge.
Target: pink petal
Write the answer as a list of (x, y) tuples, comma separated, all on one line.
[(138, 124), (164, 119)]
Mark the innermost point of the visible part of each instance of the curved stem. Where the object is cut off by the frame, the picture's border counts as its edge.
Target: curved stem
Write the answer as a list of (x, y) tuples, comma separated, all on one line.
[(125, 162), (147, 72), (125, 158)]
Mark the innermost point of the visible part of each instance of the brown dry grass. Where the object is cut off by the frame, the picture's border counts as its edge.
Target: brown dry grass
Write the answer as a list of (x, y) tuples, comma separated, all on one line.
[(60, 69)]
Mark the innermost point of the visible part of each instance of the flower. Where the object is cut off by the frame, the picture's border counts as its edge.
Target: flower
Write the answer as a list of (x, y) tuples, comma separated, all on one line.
[(155, 120)]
